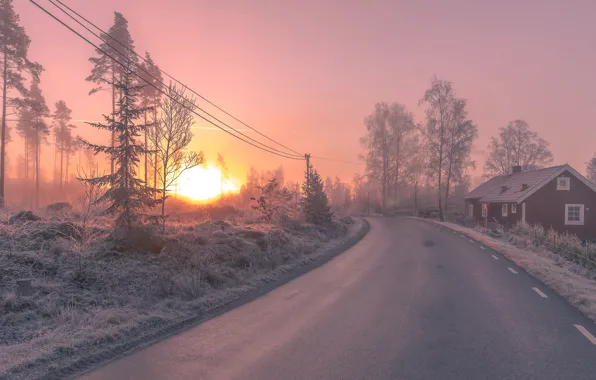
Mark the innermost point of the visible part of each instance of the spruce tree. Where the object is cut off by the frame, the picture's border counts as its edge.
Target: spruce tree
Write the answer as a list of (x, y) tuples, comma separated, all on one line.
[(127, 195), (110, 69), (315, 204)]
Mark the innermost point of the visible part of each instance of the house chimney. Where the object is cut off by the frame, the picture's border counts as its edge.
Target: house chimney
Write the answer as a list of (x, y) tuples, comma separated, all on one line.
[(517, 169)]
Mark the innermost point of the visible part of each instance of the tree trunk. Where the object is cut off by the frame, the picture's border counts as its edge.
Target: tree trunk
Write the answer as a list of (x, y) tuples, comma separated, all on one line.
[(3, 134), (55, 159), (146, 148), (37, 149), (67, 168), (447, 186), (155, 153), (114, 116), (61, 166)]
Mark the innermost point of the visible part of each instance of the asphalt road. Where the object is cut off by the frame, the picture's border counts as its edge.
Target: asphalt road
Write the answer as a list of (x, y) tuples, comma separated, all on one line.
[(410, 301)]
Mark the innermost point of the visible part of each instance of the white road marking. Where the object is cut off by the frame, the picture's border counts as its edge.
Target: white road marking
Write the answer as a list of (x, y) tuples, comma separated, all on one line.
[(586, 333), (472, 241), (481, 247), (462, 236), (495, 257), (512, 270), (540, 293)]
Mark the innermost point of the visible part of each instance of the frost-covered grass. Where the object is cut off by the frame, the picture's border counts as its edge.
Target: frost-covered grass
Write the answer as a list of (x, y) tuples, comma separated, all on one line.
[(87, 295), (571, 279)]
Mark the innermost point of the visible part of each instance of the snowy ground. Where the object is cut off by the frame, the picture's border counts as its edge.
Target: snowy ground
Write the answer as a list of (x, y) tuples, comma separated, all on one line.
[(88, 298), (572, 281)]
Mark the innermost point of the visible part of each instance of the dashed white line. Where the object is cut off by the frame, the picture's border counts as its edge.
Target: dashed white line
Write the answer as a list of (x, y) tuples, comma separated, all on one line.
[(540, 293), (586, 333), (512, 270), (472, 241), (462, 236), (481, 247), (495, 257)]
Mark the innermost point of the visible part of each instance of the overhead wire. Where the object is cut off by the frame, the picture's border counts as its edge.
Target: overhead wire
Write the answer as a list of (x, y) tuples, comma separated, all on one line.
[(162, 71), (265, 148)]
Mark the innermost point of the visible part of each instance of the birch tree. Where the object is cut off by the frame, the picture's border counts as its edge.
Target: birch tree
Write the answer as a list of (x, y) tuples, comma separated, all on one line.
[(516, 145), (173, 137), (449, 136), (591, 170)]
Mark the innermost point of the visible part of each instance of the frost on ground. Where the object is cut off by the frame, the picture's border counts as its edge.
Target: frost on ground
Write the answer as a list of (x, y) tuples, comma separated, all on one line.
[(86, 298), (572, 281)]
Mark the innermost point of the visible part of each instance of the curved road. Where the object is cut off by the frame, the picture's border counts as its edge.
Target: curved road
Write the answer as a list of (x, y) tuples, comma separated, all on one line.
[(410, 301)]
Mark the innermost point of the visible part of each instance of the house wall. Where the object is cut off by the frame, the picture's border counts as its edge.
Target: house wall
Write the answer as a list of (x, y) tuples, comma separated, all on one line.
[(495, 213), (547, 207)]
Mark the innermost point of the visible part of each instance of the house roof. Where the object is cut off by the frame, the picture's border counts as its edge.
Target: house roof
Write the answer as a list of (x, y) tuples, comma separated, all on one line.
[(516, 187)]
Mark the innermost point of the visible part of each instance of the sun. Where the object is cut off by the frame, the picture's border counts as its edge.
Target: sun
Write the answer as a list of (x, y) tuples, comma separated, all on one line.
[(202, 184)]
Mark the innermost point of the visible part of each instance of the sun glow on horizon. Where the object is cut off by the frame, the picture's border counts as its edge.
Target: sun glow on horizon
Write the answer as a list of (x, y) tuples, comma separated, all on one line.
[(203, 183)]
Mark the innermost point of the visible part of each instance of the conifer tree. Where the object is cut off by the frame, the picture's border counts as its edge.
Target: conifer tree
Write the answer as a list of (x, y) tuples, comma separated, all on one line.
[(14, 47), (118, 44), (65, 142), (126, 195), (315, 204)]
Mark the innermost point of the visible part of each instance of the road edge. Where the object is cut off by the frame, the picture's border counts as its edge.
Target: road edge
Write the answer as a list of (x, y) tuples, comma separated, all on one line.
[(264, 286)]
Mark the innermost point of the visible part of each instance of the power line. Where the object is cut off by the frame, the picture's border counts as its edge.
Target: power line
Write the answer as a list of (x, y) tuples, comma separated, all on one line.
[(273, 151), (162, 71), (333, 159)]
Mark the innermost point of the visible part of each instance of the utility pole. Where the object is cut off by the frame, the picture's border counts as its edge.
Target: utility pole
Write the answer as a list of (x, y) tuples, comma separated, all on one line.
[(307, 158)]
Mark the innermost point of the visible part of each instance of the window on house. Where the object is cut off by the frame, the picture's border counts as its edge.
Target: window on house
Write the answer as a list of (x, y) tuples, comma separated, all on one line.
[(563, 183), (574, 215), (484, 207), (471, 210), (513, 208), (504, 209)]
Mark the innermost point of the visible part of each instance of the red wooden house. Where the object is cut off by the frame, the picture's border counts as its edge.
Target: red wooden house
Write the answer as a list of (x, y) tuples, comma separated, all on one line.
[(557, 197)]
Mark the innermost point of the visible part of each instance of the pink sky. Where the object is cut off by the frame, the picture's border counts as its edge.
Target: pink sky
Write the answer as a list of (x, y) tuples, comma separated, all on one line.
[(308, 72)]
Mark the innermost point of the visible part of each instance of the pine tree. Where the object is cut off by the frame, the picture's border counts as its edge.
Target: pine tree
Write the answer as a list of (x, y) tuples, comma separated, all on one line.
[(64, 139), (14, 46), (34, 130), (126, 194), (110, 69), (315, 204), (149, 72)]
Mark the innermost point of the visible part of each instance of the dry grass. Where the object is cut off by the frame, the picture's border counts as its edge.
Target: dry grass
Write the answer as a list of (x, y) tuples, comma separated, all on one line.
[(86, 295), (572, 280)]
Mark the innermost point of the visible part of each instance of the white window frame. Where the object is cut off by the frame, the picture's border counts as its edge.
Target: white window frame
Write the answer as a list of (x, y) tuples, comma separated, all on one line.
[(513, 208), (484, 210), (579, 222), (504, 209), (566, 186), (471, 209)]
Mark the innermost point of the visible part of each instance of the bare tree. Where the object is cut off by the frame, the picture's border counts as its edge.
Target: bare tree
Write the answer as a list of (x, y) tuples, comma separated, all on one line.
[(401, 124), (449, 136), (416, 168), (516, 145), (171, 140), (223, 168), (378, 147), (591, 169)]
